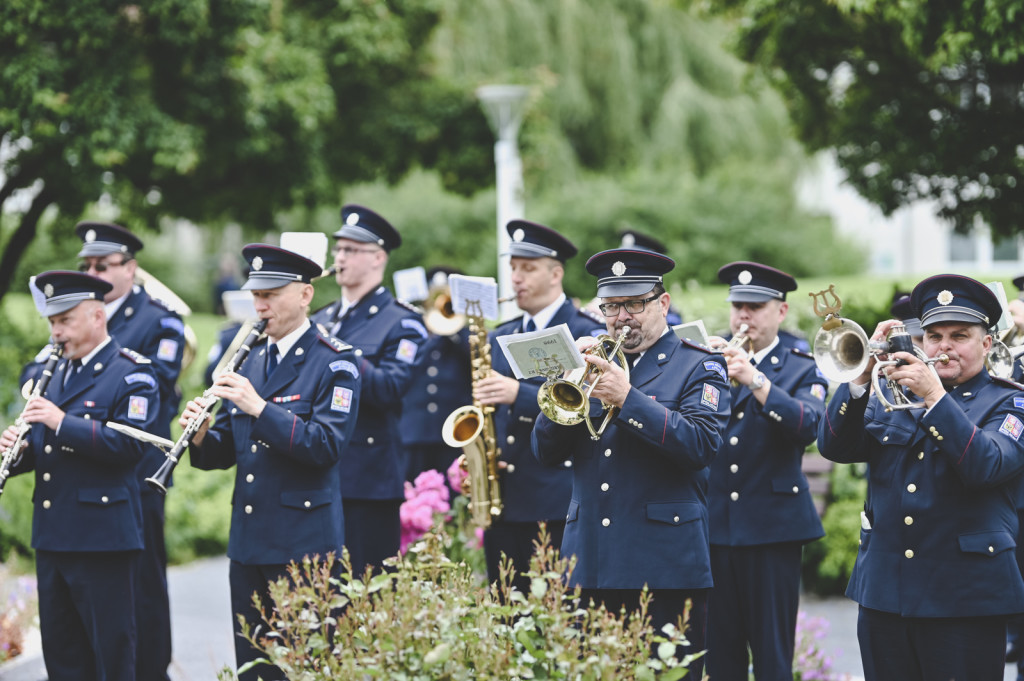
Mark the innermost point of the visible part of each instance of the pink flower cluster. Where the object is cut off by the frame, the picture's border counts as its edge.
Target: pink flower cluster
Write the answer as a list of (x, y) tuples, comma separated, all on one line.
[(456, 474), (423, 498)]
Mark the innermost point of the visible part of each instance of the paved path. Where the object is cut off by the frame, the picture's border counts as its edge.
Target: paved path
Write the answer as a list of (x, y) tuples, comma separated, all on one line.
[(201, 622)]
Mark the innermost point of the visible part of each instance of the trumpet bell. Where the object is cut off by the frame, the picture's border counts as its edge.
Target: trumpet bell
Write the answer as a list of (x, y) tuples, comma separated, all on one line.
[(841, 353), (999, 360), (562, 401), (440, 318)]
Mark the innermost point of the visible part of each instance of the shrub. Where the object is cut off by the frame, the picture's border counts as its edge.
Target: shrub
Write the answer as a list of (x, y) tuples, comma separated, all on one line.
[(429, 618), (18, 597)]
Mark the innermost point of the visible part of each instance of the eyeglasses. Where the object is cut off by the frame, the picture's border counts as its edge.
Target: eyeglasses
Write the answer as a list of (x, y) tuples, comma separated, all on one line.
[(99, 266), (349, 250), (632, 306)]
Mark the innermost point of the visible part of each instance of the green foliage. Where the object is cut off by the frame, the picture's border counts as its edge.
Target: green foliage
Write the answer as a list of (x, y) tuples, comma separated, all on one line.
[(920, 100), (428, 618)]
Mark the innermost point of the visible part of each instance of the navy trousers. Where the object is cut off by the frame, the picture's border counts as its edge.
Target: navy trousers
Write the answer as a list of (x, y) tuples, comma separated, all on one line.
[(152, 604), (516, 541), (87, 614), (247, 580), (373, 531), (754, 603), (895, 648)]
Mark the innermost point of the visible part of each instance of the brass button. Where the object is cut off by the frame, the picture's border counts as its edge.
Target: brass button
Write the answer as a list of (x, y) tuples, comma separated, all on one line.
[(567, 463), (606, 522), (911, 488), (908, 520), (675, 519), (920, 456), (250, 477), (734, 496), (46, 477), (47, 449), (991, 549), (739, 415), (604, 486), (253, 448), (105, 499), (369, 440), (734, 468), (511, 468), (307, 503), (885, 439), (248, 508), (46, 503), (733, 440), (86, 417), (234, 410), (511, 439), (908, 553), (607, 452), (795, 489)]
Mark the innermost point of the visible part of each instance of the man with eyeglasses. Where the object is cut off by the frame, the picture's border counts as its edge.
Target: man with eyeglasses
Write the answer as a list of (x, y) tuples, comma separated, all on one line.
[(531, 493), (386, 334), (148, 326), (638, 515), (759, 502)]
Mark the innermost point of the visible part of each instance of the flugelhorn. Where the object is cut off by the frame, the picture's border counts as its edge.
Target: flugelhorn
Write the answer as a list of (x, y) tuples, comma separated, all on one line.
[(12, 454), (842, 351), (736, 341), (159, 480), (567, 402)]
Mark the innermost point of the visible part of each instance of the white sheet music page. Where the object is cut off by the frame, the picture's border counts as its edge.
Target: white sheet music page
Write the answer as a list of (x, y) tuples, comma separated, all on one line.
[(482, 291)]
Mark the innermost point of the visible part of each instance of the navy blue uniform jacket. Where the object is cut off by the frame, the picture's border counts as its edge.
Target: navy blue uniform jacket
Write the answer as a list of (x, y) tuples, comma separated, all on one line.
[(940, 499), (758, 492), (387, 337), (442, 383), (87, 490), (531, 491), (638, 513), (287, 500)]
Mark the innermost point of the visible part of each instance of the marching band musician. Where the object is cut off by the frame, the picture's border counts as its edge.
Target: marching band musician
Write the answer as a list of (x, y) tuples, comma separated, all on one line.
[(87, 517), (936, 577), (638, 515), (387, 335), (759, 503), (148, 326), (441, 384), (287, 421), (531, 493)]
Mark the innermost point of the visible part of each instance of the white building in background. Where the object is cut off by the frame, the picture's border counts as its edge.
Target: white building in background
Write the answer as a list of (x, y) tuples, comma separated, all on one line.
[(912, 241)]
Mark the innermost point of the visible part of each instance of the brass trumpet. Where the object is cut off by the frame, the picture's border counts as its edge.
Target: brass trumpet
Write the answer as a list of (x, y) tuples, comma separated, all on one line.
[(736, 341), (567, 402)]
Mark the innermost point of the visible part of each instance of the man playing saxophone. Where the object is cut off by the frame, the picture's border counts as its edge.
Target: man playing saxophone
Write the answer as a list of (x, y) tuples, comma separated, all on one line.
[(286, 421), (87, 515), (531, 493)]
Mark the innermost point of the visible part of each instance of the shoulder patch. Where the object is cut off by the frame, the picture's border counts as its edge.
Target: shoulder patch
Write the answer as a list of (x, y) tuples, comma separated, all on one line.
[(344, 365), (173, 323), (409, 306), (1018, 403), (140, 378), (709, 396), (712, 365), (706, 351), (138, 407), (416, 325), (44, 354), (1012, 427), (591, 315), (819, 391), (135, 357), (801, 353), (406, 351), (332, 342)]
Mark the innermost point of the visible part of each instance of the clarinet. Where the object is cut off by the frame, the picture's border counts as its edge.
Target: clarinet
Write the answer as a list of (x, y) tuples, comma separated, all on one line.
[(12, 454), (159, 480)]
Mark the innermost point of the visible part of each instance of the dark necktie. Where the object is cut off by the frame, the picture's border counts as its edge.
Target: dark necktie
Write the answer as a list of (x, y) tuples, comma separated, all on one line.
[(529, 326), (271, 358), (73, 368)]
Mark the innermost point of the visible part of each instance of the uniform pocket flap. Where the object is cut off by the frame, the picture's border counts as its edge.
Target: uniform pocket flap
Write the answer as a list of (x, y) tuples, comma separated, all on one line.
[(989, 543), (889, 433), (103, 496), (673, 512), (789, 485), (313, 498), (573, 512)]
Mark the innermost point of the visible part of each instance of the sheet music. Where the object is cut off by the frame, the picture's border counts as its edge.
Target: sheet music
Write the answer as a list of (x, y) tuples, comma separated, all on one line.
[(483, 290), (411, 284), (550, 351), (1005, 320), (692, 331)]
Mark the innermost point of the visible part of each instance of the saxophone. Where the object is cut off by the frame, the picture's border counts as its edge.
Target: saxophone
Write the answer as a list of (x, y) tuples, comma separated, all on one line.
[(471, 428)]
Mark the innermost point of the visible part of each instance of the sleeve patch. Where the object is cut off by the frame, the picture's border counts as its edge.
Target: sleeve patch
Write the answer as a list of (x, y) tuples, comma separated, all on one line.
[(1012, 427), (406, 351), (415, 325), (345, 365), (342, 400), (710, 396), (1018, 402), (173, 323), (818, 390), (138, 407), (140, 378), (168, 350), (717, 368)]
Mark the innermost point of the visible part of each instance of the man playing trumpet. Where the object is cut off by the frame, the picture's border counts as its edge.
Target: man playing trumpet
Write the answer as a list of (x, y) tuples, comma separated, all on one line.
[(760, 507), (936, 576)]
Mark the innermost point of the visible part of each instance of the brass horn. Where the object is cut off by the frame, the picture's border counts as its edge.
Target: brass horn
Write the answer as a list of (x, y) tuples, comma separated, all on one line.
[(567, 402), (438, 315)]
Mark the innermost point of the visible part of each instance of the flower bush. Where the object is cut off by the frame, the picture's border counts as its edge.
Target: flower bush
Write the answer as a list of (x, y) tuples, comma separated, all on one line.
[(424, 498), (18, 594), (810, 663), (430, 618)]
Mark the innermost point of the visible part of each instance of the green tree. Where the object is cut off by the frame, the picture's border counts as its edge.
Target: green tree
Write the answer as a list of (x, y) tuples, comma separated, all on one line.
[(215, 111), (921, 100)]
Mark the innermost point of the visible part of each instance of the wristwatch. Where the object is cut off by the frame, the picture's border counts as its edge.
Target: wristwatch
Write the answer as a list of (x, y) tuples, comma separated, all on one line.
[(758, 381)]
